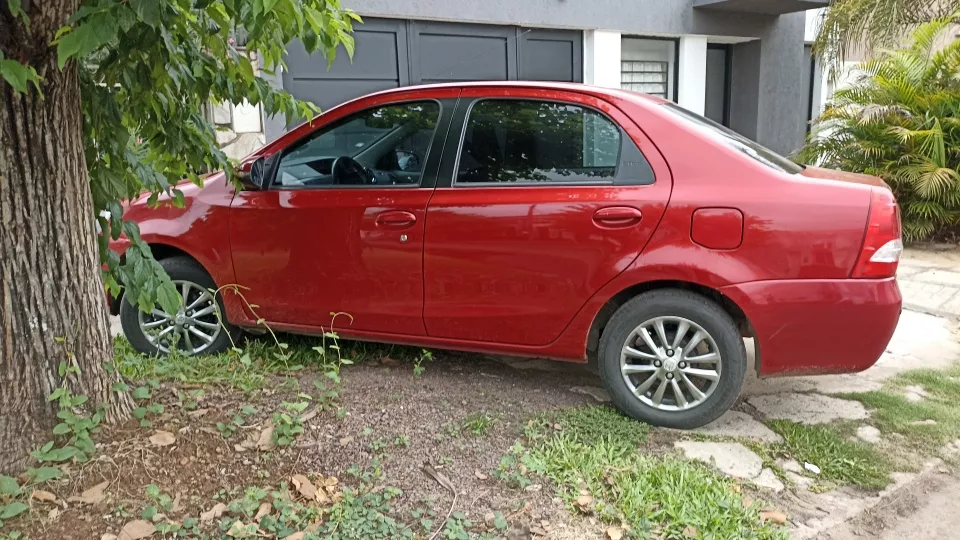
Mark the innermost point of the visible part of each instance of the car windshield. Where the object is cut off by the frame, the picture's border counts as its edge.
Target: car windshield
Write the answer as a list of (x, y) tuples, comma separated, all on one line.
[(733, 139)]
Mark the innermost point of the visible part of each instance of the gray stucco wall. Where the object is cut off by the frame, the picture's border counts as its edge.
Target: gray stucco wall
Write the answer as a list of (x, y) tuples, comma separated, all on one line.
[(767, 94), (745, 88), (647, 17)]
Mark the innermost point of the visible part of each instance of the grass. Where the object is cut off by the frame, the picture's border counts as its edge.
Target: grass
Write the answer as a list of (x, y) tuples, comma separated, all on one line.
[(590, 424), (595, 452), (839, 459), (892, 413), (252, 367)]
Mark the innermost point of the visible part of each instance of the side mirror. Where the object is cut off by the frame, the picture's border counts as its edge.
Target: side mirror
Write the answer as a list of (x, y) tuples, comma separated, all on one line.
[(258, 173), (407, 161), (254, 175)]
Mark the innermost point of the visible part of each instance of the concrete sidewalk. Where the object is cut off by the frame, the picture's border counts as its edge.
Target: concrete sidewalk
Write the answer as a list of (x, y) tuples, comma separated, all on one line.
[(930, 281)]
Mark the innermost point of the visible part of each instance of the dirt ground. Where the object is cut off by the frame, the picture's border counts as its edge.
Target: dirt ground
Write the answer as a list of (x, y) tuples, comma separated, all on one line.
[(930, 509), (386, 414)]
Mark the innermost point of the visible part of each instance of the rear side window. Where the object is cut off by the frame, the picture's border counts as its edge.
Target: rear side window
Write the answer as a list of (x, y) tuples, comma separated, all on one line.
[(521, 141), (735, 140)]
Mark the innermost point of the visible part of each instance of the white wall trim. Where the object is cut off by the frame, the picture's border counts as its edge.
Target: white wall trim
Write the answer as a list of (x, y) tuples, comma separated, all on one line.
[(601, 58), (692, 89)]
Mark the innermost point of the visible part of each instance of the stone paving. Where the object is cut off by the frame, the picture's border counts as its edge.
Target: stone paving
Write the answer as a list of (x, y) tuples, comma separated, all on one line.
[(930, 281)]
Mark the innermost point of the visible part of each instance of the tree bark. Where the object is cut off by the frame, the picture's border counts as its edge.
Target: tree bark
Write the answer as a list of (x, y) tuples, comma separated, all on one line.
[(52, 306)]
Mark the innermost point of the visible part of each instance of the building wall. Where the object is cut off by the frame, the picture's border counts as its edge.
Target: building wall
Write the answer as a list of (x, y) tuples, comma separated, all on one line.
[(766, 77)]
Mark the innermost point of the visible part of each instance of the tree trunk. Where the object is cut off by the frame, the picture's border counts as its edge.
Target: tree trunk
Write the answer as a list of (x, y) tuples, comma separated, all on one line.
[(52, 306)]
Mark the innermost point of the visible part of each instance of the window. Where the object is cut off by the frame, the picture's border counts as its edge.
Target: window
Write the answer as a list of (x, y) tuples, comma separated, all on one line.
[(382, 146), (735, 140), (537, 141), (647, 77), (647, 65)]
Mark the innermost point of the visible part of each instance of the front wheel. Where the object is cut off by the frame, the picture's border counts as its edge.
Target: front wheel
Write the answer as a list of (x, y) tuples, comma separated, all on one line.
[(672, 358), (198, 328)]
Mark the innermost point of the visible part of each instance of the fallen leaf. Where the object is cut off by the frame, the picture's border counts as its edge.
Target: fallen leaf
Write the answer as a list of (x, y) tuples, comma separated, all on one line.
[(537, 531), (240, 448), (439, 477), (479, 475), (533, 487), (162, 438), (584, 503), (330, 481), (43, 496), (690, 531), (197, 413), (345, 441), (309, 415), (54, 513), (747, 502), (92, 495), (108, 536), (238, 529), (614, 533), (265, 441), (264, 510), (304, 486), (388, 361), (774, 516), (213, 513), (137, 529), (175, 508), (157, 518), (812, 468), (295, 536)]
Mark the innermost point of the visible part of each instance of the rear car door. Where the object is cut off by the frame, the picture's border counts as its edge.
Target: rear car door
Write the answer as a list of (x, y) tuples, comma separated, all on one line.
[(340, 227), (544, 197)]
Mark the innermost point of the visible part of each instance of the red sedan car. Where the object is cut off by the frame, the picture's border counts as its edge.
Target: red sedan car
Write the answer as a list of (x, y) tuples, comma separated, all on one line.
[(536, 219)]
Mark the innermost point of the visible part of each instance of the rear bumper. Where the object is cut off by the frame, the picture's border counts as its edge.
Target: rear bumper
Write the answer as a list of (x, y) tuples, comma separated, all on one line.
[(819, 326)]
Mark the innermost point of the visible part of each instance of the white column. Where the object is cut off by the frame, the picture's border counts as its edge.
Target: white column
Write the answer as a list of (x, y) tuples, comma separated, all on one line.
[(692, 92), (601, 58)]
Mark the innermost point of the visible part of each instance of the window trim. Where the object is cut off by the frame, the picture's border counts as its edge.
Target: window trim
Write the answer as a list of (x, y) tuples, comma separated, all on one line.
[(271, 185), (531, 183)]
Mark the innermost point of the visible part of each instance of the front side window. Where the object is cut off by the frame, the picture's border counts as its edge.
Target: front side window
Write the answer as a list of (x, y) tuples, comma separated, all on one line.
[(536, 142), (385, 145)]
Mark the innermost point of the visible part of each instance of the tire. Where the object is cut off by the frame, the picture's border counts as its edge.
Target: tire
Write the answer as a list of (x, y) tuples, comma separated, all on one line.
[(676, 308), (182, 270)]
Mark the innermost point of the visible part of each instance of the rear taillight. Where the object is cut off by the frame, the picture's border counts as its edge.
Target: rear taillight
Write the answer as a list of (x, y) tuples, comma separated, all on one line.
[(882, 244)]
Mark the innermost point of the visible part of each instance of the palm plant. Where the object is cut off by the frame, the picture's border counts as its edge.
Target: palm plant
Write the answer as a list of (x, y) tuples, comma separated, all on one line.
[(900, 120), (866, 25)]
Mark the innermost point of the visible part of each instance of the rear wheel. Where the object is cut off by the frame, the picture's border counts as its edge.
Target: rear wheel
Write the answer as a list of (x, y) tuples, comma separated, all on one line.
[(194, 330), (672, 358)]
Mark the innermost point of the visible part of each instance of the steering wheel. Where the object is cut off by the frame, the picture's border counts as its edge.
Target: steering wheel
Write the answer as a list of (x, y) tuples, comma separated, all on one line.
[(346, 171)]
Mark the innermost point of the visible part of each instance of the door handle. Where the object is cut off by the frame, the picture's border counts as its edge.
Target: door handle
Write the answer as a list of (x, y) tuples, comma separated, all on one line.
[(396, 219), (617, 216)]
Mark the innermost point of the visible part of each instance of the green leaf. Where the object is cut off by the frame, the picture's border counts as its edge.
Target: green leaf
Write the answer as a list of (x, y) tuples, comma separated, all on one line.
[(61, 429), (121, 387), (141, 392), (17, 75), (13, 509), (42, 474), (9, 486), (168, 297), (14, 6), (147, 10)]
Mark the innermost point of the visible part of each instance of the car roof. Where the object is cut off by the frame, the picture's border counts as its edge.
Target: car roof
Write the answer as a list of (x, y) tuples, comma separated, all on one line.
[(544, 85)]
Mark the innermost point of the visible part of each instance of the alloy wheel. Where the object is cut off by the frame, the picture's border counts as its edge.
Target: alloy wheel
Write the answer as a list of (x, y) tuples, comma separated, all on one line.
[(671, 363), (192, 330)]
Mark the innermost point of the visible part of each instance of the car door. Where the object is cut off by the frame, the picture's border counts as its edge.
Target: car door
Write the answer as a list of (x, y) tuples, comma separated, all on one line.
[(547, 196), (339, 228)]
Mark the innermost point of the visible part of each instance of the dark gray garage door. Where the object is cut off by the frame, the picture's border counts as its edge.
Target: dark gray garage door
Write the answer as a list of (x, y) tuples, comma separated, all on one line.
[(391, 53)]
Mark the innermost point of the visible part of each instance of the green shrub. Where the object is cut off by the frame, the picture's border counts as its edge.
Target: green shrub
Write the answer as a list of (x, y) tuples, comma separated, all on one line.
[(900, 120)]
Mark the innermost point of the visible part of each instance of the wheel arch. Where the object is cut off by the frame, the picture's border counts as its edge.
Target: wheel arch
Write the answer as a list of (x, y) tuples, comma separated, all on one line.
[(610, 307), (160, 250)]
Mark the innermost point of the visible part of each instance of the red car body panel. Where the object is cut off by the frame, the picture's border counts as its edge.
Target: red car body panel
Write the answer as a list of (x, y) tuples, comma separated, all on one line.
[(527, 270)]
